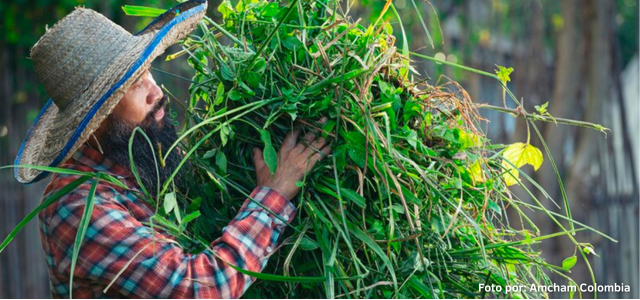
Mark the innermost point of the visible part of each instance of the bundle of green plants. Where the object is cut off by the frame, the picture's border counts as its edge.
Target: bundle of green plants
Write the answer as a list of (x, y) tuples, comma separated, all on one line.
[(411, 203), (413, 200)]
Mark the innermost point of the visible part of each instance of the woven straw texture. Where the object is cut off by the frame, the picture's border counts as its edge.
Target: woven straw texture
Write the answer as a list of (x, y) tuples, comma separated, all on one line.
[(78, 61)]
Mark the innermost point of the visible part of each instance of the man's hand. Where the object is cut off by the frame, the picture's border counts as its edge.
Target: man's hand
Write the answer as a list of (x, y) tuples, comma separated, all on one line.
[(294, 161)]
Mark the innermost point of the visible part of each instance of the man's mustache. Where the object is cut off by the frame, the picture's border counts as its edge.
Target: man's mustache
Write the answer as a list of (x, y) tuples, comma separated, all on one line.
[(159, 105)]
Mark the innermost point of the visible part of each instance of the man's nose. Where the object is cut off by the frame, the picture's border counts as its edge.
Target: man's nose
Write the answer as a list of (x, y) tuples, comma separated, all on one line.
[(156, 93)]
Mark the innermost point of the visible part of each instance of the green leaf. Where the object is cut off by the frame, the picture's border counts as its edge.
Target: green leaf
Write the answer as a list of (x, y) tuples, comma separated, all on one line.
[(269, 153), (190, 217), (519, 154), (219, 94), (170, 202), (209, 154), (423, 289), (247, 89), (260, 65), (226, 9), (314, 211), (240, 6), (176, 212), (235, 95), (253, 80), (409, 196), (357, 156), (495, 207), (328, 191), (503, 73), (50, 200), (221, 162), (225, 131), (398, 208), (281, 278), (82, 231), (327, 127), (292, 43), (359, 234), (50, 169), (100, 176), (308, 244), (142, 11), (195, 205), (387, 91), (166, 224), (569, 262), (542, 109), (412, 138), (271, 10), (353, 197), (388, 29)]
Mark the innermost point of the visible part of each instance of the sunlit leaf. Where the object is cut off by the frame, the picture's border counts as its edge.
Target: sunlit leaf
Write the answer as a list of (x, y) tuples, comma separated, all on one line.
[(519, 154), (476, 173), (142, 11), (504, 73)]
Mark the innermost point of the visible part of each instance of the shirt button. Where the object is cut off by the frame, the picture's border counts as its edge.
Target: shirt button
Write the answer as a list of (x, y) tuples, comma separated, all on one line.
[(269, 249)]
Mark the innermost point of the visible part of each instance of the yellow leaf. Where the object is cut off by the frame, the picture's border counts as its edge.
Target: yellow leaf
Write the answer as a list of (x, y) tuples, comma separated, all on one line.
[(476, 173), (512, 176), (519, 154), (476, 140)]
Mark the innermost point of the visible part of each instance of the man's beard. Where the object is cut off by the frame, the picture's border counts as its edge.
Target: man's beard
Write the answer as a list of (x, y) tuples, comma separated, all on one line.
[(162, 134)]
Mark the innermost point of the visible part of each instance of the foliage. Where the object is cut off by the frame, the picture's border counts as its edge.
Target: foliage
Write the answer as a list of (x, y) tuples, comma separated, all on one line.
[(412, 202)]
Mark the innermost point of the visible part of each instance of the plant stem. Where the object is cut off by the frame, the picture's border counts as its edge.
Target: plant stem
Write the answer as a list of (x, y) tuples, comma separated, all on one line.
[(534, 117), (472, 70)]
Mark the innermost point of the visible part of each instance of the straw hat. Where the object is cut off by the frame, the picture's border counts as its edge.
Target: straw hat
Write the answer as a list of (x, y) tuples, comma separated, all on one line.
[(86, 64)]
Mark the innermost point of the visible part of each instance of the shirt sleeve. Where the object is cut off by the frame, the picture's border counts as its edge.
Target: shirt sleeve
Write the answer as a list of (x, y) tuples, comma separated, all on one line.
[(154, 265)]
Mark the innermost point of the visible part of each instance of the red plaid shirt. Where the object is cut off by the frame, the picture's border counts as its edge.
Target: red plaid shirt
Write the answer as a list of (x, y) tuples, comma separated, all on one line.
[(152, 264)]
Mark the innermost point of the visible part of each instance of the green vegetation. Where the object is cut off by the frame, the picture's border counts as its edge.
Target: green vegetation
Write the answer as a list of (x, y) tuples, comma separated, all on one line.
[(413, 201)]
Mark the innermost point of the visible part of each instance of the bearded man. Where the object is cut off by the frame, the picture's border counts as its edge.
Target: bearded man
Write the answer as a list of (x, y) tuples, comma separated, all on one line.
[(97, 76)]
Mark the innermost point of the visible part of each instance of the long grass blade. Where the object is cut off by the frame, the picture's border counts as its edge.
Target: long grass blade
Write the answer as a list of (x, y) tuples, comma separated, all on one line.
[(82, 231), (48, 201)]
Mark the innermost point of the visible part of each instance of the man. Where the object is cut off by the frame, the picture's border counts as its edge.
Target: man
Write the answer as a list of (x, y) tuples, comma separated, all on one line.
[(97, 76)]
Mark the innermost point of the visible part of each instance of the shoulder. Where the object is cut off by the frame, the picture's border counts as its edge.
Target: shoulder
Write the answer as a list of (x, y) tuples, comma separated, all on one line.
[(62, 218), (69, 194)]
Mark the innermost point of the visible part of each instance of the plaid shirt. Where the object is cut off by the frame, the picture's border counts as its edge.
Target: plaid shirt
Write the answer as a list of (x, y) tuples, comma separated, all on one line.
[(152, 264)]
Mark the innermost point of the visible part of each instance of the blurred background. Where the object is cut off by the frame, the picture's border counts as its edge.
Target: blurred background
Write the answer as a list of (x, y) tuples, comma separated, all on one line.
[(579, 56)]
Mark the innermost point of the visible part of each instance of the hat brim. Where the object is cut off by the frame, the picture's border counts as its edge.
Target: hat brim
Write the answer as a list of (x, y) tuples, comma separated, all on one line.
[(43, 147)]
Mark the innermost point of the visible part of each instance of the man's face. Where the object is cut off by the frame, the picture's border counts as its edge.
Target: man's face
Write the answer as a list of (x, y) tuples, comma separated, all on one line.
[(143, 105), (142, 98)]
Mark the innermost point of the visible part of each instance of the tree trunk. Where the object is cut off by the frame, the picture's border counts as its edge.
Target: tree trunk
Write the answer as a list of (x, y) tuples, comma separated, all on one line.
[(564, 101)]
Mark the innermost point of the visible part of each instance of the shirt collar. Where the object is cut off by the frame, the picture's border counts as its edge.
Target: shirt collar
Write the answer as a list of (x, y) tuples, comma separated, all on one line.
[(95, 160)]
